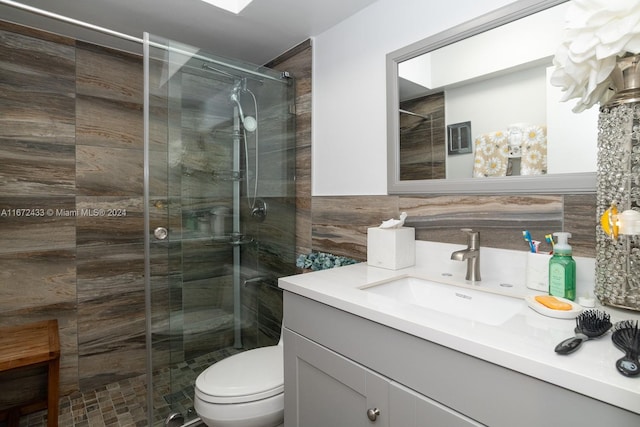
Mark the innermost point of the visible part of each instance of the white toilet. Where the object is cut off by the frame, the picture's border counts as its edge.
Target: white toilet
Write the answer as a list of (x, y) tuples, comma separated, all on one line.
[(243, 390)]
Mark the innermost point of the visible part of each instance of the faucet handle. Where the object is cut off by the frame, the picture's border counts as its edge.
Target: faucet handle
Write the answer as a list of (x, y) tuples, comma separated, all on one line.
[(474, 237)]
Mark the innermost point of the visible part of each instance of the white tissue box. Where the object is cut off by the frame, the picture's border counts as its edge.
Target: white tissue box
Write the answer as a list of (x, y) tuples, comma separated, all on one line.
[(391, 248)]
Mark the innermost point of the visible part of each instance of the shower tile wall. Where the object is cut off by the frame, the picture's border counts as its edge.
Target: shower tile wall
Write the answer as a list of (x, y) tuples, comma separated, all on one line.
[(274, 254), (110, 248), (71, 141), (298, 62), (72, 145), (37, 164), (203, 310)]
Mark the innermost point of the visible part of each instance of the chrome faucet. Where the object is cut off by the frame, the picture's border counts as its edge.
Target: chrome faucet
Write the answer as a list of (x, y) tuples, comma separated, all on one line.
[(471, 255)]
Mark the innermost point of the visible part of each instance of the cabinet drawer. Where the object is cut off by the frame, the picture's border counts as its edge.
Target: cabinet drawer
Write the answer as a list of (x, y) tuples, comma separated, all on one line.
[(411, 409)]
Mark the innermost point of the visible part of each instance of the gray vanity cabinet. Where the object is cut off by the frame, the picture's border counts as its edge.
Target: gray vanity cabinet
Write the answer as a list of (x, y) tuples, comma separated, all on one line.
[(339, 368), (323, 388), (326, 389)]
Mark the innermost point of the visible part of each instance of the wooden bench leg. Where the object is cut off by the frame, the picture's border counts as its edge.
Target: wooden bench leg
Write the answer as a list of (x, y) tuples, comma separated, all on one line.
[(53, 393), (35, 344), (13, 419)]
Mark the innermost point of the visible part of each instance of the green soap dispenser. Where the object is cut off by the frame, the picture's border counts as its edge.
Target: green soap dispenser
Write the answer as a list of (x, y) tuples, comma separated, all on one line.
[(562, 269)]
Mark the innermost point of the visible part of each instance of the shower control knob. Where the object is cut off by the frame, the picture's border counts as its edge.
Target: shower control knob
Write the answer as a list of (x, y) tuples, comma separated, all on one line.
[(372, 413), (160, 233)]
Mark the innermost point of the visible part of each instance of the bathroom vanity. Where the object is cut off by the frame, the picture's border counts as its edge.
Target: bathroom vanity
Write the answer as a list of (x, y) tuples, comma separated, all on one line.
[(357, 358)]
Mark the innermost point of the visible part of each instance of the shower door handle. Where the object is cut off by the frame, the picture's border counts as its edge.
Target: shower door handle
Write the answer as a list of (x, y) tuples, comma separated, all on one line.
[(160, 233)]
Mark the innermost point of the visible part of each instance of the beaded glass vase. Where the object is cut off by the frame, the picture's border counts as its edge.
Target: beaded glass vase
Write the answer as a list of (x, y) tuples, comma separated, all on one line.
[(618, 183)]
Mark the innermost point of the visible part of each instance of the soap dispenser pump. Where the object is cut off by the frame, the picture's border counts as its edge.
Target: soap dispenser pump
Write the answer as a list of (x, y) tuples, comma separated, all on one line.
[(562, 269)]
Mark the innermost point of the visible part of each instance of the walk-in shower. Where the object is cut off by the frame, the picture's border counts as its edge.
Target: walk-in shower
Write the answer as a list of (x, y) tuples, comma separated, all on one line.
[(218, 149), (221, 149)]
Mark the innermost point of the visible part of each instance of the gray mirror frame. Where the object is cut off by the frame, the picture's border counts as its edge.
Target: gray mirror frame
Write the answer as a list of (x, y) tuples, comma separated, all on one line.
[(541, 184)]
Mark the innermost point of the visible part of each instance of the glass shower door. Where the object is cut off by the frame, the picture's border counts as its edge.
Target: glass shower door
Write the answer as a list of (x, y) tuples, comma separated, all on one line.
[(221, 213)]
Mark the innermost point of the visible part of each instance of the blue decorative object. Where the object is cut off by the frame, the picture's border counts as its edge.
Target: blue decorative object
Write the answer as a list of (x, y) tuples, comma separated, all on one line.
[(322, 261)]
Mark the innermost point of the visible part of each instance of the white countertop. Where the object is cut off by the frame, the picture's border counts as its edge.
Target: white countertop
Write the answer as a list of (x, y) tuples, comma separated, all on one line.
[(524, 343)]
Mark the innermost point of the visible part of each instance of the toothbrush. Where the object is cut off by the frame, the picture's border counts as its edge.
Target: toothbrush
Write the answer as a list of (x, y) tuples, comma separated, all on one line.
[(549, 240), (535, 245), (527, 238)]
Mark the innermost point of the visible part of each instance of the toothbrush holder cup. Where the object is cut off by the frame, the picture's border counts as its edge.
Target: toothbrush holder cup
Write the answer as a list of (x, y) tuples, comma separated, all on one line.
[(537, 271)]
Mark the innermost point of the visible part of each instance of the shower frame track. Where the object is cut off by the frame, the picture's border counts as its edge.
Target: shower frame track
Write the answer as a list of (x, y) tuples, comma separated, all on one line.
[(282, 79)]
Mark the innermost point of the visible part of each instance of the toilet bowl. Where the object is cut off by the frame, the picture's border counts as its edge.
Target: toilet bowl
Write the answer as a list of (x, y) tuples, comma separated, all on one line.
[(243, 390)]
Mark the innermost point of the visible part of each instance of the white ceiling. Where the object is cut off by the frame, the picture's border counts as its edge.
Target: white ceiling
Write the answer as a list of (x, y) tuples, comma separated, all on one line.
[(261, 32)]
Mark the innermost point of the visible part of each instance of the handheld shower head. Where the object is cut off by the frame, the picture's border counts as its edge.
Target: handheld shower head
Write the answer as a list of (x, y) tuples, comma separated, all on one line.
[(250, 124)]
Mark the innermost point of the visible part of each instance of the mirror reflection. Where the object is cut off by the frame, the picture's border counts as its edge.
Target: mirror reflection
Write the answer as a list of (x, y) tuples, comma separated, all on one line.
[(483, 107), (422, 140)]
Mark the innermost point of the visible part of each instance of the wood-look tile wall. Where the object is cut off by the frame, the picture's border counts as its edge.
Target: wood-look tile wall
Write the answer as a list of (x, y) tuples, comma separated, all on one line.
[(340, 223), (262, 305), (110, 248), (298, 62), (37, 171), (71, 145), (71, 141)]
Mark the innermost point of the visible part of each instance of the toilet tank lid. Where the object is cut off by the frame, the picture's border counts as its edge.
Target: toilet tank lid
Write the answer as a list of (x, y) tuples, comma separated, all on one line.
[(253, 374)]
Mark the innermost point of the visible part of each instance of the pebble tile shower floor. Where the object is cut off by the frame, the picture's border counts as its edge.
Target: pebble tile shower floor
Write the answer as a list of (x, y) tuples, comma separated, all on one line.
[(123, 404)]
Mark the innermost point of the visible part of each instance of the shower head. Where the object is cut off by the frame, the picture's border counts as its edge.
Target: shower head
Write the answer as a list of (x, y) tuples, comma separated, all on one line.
[(250, 124)]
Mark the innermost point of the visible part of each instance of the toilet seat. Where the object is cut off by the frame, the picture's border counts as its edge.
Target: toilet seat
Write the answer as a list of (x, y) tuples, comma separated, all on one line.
[(244, 377)]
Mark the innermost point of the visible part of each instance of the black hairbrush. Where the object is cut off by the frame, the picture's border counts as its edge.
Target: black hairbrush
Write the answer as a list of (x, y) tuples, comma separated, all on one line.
[(589, 324), (627, 338)]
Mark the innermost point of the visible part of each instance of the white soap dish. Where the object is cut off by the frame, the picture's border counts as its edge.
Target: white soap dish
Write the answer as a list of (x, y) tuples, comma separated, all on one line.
[(576, 309)]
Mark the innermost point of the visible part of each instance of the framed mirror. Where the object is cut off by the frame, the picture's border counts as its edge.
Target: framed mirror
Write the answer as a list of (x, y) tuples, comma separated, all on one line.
[(480, 88)]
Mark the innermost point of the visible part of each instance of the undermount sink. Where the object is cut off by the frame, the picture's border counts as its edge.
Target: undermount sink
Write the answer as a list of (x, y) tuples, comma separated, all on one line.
[(471, 304)]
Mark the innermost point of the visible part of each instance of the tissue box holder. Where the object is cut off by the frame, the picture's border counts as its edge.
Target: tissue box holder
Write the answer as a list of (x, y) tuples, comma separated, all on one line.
[(391, 248)]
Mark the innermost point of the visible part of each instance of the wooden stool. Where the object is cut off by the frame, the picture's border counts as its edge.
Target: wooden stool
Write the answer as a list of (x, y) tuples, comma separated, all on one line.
[(36, 344)]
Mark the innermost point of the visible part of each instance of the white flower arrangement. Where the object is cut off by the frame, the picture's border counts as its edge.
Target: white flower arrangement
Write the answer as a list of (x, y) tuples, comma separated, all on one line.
[(598, 31)]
